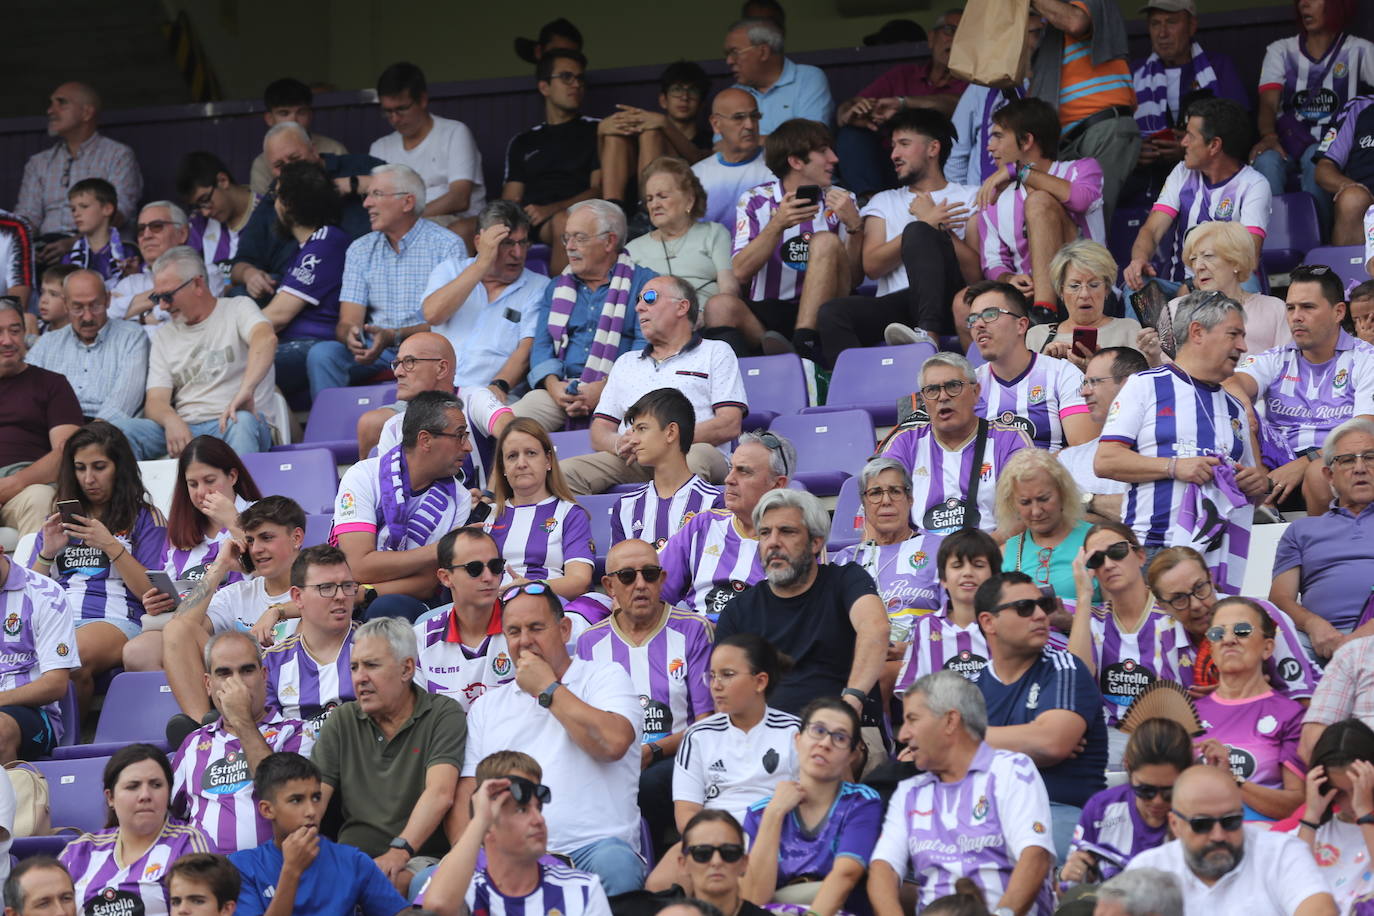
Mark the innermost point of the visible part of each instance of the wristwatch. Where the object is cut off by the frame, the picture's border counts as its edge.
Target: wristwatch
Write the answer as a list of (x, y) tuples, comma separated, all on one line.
[(1088, 501), (400, 842), (856, 693), (655, 753), (1365, 819), (546, 695)]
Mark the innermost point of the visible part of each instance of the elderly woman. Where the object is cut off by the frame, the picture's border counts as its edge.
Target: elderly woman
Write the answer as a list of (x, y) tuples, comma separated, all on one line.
[(681, 245), (1036, 494), (1083, 272)]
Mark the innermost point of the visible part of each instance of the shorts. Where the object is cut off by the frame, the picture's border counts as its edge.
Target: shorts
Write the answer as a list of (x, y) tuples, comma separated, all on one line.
[(775, 315), (129, 628), (36, 738)]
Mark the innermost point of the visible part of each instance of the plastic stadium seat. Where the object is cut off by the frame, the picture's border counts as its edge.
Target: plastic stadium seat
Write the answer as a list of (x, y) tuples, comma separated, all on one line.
[(70, 716), (76, 798), (137, 707), (873, 378), (1293, 231), (774, 386), (1346, 260), (160, 480), (317, 528), (333, 422), (846, 527), (974, 357), (1126, 223), (830, 447), (537, 259), (599, 507), (570, 443), (309, 476), (1259, 568)]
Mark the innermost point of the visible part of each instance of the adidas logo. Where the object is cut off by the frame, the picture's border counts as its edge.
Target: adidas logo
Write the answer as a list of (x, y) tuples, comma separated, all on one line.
[(717, 767)]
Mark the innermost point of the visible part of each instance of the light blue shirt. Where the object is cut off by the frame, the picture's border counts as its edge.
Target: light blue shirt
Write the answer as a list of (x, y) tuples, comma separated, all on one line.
[(582, 329), (110, 376), (801, 91), (485, 333), (390, 282)]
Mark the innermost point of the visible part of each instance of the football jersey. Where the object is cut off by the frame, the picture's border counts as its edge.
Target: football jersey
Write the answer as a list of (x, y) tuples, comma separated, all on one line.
[(1036, 401), (95, 588), (541, 539), (315, 276), (1313, 91), (449, 667), (1261, 733), (940, 476), (720, 765), (561, 890), (646, 516), (1128, 663), (1112, 830), (708, 562), (1349, 143), (423, 518), (937, 644), (1189, 201), (304, 688), (782, 275), (37, 634), (905, 574), (105, 888), (1006, 249)]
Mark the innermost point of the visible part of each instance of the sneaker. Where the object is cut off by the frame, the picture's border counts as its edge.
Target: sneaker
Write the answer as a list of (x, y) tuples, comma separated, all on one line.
[(775, 343), (898, 334)]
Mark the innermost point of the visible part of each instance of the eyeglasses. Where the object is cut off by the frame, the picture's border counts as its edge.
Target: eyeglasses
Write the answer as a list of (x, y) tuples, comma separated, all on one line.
[(461, 435), (474, 568), (878, 494), (952, 388), (1025, 607), (701, 853), (330, 589), (1074, 288), (1089, 383), (378, 194), (201, 202), (516, 243), (1346, 462), (166, 298), (740, 117), (1147, 792), (408, 362), (581, 238), (529, 588), (522, 790), (819, 732), (1179, 602), (683, 92), (987, 316), (1241, 630), (725, 676), (628, 574), (1229, 822), (1115, 551), (946, 28), (396, 110), (155, 225), (732, 53), (774, 444), (568, 78)]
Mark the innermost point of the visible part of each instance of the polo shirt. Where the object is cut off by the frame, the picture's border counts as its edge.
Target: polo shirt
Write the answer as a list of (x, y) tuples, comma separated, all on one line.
[(581, 328), (801, 91), (38, 636), (109, 375), (724, 182), (390, 282), (379, 781), (1335, 555), (340, 880), (484, 331), (911, 79)]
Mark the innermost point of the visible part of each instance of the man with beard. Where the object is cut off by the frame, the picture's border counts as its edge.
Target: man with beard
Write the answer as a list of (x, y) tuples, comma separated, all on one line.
[(828, 619), (1225, 867)]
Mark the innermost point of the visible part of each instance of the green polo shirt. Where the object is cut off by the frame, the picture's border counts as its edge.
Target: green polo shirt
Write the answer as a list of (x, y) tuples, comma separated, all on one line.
[(378, 781)]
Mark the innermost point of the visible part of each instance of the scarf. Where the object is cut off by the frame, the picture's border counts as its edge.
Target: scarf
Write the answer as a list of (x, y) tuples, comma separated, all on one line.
[(406, 516), (1152, 90), (606, 344), (82, 256), (1218, 516)]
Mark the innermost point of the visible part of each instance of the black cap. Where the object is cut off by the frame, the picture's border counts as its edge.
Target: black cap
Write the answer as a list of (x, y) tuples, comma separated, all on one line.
[(895, 32), (524, 47)]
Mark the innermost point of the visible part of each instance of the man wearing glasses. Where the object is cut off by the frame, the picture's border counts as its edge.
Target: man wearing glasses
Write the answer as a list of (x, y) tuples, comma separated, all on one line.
[(1224, 866), (1105, 373), (161, 226), (782, 88), (737, 164)]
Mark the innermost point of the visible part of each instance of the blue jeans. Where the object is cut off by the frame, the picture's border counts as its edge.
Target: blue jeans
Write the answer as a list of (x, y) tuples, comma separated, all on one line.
[(1063, 820), (291, 366), (329, 364), (245, 433), (614, 862), (1277, 169)]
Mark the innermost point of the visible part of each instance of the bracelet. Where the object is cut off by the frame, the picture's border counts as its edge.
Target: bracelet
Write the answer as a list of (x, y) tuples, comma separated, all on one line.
[(122, 550), (48, 560), (1023, 174), (502, 384), (1309, 824), (1173, 467)]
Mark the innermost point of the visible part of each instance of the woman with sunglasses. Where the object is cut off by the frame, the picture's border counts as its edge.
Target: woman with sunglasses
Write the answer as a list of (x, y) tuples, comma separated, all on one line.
[(1121, 822), (1036, 494), (812, 839), (542, 533), (1338, 823), (712, 862), (1251, 731)]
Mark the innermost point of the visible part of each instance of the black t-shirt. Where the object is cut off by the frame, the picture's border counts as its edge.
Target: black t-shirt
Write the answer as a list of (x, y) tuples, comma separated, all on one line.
[(31, 404), (553, 161), (813, 628)]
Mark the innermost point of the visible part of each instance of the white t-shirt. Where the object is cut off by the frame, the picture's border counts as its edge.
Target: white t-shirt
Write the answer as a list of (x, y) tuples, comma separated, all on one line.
[(242, 602), (447, 154), (122, 296), (722, 766), (591, 800), (725, 181), (893, 207), (204, 363)]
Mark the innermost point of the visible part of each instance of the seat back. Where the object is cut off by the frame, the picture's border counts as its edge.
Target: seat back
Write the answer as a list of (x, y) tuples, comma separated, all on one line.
[(569, 443), (76, 792), (600, 506), (839, 441), (317, 528), (1293, 231), (1259, 567), (1346, 260), (335, 413), (847, 526), (137, 707), (873, 378), (774, 385), (308, 475), (160, 480)]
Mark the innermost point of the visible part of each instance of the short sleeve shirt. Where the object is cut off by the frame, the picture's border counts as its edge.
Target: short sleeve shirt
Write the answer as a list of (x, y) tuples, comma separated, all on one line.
[(448, 153), (315, 276), (203, 364), (31, 404)]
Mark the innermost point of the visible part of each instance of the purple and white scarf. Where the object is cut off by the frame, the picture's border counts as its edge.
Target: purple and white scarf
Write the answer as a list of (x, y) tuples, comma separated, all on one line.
[(606, 344), (405, 516), (1152, 90), (82, 255), (1219, 516)]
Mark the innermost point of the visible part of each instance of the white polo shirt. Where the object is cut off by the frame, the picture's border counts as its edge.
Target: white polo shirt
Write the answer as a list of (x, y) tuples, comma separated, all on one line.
[(722, 766)]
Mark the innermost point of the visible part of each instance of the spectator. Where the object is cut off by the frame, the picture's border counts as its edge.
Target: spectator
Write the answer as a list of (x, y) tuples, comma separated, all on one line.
[(442, 151), (828, 619), (594, 298), (1343, 170), (860, 120), (1036, 494), (212, 487), (39, 886), (662, 425), (162, 226), (1362, 301), (1176, 470), (488, 305), (214, 769), (100, 552), (219, 208), (916, 230), (80, 152), (1041, 701), (1000, 840), (948, 496), (714, 555), (99, 245), (555, 34), (706, 371), (1036, 201), (783, 88), (554, 164), (629, 140), (738, 163), (1083, 273), (1224, 866), (782, 239), (394, 806), (298, 870), (1344, 693), (288, 99), (583, 730), (392, 509), (52, 298), (1339, 792), (712, 836), (105, 361), (203, 881), (104, 866), (970, 163), (1103, 377), (1144, 892)]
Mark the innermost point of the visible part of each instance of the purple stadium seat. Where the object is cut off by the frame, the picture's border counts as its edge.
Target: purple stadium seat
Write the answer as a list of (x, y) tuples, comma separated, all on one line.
[(1126, 223), (974, 358), (599, 506), (873, 378), (70, 717), (333, 422), (1346, 260), (830, 447), (570, 443), (538, 259), (317, 528), (309, 476), (775, 386), (1293, 231), (847, 526), (76, 797), (137, 708)]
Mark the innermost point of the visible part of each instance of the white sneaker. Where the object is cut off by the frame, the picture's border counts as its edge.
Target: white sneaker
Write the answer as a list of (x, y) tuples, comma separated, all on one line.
[(898, 334)]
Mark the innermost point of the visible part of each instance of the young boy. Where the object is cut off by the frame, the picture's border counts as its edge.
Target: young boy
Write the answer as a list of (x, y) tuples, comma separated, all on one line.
[(1362, 310), (52, 298), (300, 871), (202, 884), (100, 248)]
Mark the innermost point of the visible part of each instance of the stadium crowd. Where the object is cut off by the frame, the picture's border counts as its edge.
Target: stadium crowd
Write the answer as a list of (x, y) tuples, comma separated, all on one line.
[(1027, 679)]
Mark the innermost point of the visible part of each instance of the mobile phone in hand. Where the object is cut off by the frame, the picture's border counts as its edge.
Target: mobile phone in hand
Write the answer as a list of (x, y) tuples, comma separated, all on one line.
[(69, 508), (811, 193), (1084, 340), (163, 583)]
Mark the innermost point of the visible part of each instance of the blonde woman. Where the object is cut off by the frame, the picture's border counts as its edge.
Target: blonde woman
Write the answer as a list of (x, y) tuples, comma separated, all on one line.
[(1083, 273), (1038, 499)]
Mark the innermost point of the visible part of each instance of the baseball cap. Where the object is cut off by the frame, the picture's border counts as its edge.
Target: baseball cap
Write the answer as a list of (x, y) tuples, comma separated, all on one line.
[(1171, 6)]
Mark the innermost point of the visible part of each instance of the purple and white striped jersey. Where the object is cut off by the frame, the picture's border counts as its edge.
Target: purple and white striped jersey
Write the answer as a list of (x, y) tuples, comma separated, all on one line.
[(1036, 401), (1112, 829), (561, 890), (666, 668), (938, 643), (938, 832), (1003, 225), (449, 667), (541, 539), (646, 516), (1368, 238), (1313, 91), (782, 275), (905, 574), (104, 888), (190, 565), (37, 635), (94, 586), (940, 476), (708, 562), (212, 783), (1303, 402), (1128, 663), (1189, 200), (215, 241), (303, 688)]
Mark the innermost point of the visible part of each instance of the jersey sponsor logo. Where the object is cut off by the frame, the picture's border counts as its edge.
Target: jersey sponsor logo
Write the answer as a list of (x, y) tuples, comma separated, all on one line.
[(1242, 762), (1266, 725), (1033, 697), (113, 901), (13, 624), (965, 663), (1326, 855), (1124, 681), (1316, 105), (501, 666), (660, 543), (347, 502), (718, 597), (796, 251), (1289, 669), (717, 767), (227, 775), (771, 760), (658, 718), (474, 690), (83, 560), (1038, 827), (1165, 411), (1007, 418), (1114, 409), (944, 517)]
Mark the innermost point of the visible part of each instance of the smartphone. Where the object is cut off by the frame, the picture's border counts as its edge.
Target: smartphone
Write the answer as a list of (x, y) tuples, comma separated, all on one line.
[(246, 561), (365, 338), (1084, 339), (1150, 302), (480, 511), (69, 508), (572, 386), (163, 583), (811, 193)]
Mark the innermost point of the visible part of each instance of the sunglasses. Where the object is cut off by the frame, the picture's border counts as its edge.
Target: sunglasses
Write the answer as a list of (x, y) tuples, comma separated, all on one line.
[(1024, 607), (156, 225), (729, 852), (165, 299), (474, 567), (522, 790), (1147, 792), (529, 588), (1228, 822), (1240, 630), (1115, 551), (627, 575), (774, 444)]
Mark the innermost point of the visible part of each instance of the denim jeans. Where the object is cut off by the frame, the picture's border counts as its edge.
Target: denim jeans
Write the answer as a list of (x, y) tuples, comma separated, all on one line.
[(1277, 169), (290, 366), (329, 364), (245, 433), (1063, 820), (614, 862)]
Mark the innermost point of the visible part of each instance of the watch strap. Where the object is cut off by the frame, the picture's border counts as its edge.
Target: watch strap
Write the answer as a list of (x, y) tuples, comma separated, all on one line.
[(1365, 819), (856, 693), (546, 695), (401, 842)]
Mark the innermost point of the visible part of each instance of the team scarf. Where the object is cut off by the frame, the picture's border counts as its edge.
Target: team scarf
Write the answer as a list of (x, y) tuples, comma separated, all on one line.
[(82, 255), (405, 516), (606, 344), (1152, 90), (1219, 515)]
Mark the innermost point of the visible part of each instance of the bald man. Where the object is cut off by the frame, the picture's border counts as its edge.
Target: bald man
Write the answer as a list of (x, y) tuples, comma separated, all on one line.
[(737, 164), (1224, 866)]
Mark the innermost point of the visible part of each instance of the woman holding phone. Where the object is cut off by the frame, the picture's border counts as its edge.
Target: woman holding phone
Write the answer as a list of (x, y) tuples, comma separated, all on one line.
[(1083, 272)]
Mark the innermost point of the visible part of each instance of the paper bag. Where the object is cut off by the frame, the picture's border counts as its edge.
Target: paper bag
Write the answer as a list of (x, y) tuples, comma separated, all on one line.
[(990, 46)]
